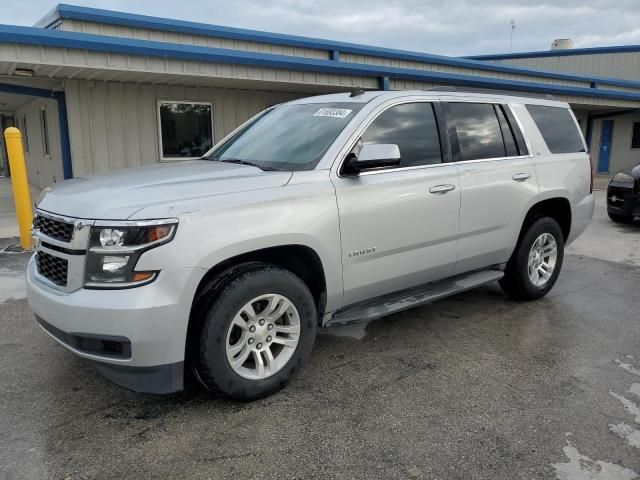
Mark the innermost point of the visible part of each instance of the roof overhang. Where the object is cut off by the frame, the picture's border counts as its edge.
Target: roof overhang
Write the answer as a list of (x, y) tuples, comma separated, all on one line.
[(62, 54)]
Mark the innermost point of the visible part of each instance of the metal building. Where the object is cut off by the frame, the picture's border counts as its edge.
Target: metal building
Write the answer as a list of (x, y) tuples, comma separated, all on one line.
[(97, 90)]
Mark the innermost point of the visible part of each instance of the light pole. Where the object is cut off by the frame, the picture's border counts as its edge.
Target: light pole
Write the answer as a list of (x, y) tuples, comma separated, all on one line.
[(513, 27)]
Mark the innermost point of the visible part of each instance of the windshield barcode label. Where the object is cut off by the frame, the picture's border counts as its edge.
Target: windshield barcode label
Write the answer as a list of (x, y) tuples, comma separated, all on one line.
[(333, 112)]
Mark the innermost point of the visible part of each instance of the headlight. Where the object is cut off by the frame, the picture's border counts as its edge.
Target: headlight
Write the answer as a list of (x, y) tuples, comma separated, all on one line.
[(622, 178), (115, 249)]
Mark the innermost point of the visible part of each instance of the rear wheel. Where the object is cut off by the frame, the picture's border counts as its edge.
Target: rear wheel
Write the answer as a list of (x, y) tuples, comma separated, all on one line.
[(620, 218), (256, 334), (535, 264)]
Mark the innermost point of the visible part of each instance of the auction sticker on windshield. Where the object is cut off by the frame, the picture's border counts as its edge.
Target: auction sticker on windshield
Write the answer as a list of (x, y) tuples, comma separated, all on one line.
[(333, 112)]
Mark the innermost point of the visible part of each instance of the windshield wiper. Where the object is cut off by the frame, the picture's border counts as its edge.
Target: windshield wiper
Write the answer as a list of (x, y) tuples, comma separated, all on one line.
[(244, 162)]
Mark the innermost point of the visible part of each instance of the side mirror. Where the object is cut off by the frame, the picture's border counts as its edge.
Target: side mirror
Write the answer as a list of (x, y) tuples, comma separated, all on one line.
[(372, 157)]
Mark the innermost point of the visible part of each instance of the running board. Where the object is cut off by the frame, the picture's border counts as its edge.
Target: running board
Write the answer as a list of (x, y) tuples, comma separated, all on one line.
[(396, 302)]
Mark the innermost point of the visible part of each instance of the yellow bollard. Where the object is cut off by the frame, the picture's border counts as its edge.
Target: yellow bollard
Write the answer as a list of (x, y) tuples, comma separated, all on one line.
[(21, 196)]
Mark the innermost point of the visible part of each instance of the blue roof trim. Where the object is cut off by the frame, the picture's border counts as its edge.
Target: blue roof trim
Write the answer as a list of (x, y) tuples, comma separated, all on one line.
[(558, 53), (96, 15), (100, 43)]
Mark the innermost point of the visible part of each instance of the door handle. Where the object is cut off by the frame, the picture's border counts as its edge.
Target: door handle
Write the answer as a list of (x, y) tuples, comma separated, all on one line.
[(521, 177), (441, 189)]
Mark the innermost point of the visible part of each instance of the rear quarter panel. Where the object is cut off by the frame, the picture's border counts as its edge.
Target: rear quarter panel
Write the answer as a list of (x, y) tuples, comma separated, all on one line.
[(566, 175)]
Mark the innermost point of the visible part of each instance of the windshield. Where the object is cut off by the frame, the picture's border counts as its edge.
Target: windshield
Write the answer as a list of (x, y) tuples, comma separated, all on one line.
[(287, 137)]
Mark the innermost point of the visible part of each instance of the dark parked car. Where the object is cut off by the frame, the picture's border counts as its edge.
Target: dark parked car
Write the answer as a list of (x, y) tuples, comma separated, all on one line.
[(623, 195)]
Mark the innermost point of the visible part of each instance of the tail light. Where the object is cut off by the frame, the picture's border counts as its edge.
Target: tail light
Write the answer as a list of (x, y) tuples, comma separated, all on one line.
[(590, 174)]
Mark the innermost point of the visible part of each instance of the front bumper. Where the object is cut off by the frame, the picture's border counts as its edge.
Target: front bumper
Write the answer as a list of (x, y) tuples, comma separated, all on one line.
[(135, 337), (622, 200)]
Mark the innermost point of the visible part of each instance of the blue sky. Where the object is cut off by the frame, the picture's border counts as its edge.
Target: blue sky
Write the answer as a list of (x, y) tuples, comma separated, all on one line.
[(447, 27)]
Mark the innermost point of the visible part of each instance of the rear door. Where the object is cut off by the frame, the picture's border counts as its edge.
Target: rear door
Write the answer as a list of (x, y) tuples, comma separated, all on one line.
[(497, 180), (399, 227)]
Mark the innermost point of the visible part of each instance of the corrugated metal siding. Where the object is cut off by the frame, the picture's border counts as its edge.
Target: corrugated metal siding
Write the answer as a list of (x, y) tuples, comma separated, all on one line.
[(52, 61), (624, 65), (114, 125), (42, 170), (390, 62), (186, 39)]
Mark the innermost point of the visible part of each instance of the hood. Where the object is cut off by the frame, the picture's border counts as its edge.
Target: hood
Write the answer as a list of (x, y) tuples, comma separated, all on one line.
[(119, 195)]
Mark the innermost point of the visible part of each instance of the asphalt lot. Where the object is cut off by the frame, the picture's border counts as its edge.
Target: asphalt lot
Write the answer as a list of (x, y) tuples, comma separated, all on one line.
[(471, 387)]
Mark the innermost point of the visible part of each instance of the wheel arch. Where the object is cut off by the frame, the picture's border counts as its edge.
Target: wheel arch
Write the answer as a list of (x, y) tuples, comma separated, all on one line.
[(556, 207), (299, 259)]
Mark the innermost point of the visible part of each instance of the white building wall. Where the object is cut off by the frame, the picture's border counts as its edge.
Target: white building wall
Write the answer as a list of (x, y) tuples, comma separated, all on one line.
[(623, 156), (115, 125), (42, 169), (613, 65)]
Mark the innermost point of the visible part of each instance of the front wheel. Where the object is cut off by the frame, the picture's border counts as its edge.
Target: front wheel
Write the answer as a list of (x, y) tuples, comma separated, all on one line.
[(535, 264), (256, 334)]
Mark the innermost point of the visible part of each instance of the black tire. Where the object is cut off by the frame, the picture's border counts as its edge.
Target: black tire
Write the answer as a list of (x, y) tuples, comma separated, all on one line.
[(516, 282), (620, 218), (211, 363)]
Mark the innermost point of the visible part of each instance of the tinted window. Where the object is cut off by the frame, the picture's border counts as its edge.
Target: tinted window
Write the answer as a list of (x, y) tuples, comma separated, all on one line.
[(635, 139), (288, 137), (185, 129), (412, 126), (507, 135), (558, 129), (479, 133)]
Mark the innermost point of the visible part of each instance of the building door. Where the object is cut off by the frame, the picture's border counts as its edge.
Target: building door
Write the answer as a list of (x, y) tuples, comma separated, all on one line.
[(605, 146), (6, 121)]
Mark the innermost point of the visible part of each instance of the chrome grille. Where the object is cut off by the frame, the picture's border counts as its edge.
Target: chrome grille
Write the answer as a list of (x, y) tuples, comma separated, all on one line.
[(56, 229), (54, 269)]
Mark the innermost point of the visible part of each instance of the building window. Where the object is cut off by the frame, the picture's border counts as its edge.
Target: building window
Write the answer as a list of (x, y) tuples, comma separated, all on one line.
[(635, 138), (25, 133), (186, 129), (44, 125)]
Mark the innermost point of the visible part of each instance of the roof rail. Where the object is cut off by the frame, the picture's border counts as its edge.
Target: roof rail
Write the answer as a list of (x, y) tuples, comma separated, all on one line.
[(443, 88)]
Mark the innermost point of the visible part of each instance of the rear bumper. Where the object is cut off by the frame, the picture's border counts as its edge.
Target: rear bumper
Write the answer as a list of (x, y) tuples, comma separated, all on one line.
[(623, 201), (581, 216)]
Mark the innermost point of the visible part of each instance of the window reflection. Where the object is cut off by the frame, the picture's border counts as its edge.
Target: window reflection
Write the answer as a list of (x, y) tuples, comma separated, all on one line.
[(185, 129), (412, 126), (478, 130)]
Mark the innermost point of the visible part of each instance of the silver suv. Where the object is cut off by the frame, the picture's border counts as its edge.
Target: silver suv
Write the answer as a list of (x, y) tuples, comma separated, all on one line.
[(317, 212)]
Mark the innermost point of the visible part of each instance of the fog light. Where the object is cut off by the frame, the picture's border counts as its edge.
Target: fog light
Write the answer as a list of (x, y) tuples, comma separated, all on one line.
[(113, 264)]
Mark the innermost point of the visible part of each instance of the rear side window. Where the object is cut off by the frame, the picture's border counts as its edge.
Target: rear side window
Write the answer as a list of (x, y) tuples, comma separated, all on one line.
[(478, 130), (558, 129), (411, 126)]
